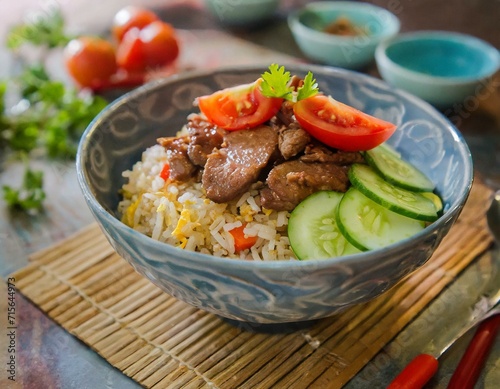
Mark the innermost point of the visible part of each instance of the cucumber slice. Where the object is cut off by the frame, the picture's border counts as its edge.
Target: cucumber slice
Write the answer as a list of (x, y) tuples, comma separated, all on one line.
[(313, 231), (438, 203), (399, 200), (386, 161), (368, 225)]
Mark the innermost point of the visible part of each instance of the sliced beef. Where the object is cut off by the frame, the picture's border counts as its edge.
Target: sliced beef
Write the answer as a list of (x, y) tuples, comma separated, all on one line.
[(291, 182), (181, 167), (284, 116), (204, 138), (292, 140), (320, 153), (233, 168)]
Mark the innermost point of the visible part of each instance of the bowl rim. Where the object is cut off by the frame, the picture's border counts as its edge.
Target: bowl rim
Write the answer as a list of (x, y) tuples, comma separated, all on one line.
[(317, 6), (239, 264), (486, 48)]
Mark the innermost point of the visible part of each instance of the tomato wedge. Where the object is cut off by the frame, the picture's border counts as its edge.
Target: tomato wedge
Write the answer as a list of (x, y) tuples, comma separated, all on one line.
[(341, 126), (240, 107)]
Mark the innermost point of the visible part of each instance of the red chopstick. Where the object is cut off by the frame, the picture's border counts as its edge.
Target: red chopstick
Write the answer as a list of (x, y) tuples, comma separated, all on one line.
[(472, 362), (423, 367)]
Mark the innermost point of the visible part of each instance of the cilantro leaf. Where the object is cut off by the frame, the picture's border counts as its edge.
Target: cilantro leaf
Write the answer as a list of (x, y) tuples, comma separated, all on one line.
[(30, 196), (49, 118), (276, 82), (309, 88), (44, 29)]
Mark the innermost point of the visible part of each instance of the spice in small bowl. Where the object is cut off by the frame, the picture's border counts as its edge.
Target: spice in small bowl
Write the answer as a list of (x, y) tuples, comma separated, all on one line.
[(344, 27)]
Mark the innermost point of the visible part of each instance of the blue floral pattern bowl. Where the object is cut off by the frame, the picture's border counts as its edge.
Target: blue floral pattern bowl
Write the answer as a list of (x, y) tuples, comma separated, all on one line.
[(268, 292)]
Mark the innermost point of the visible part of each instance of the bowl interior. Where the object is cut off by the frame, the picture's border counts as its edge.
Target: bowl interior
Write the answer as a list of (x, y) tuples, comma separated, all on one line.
[(447, 56), (375, 21), (118, 136)]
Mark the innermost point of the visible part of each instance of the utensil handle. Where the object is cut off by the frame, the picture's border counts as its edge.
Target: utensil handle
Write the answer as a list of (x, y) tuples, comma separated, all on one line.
[(469, 367), (416, 374)]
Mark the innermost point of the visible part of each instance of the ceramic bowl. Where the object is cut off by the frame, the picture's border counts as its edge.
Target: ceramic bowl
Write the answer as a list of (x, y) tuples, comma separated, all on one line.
[(239, 13), (260, 291), (440, 67), (352, 52)]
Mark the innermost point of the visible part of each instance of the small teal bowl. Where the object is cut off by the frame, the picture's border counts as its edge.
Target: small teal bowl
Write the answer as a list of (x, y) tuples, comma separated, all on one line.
[(268, 292), (442, 68), (350, 52), (242, 13)]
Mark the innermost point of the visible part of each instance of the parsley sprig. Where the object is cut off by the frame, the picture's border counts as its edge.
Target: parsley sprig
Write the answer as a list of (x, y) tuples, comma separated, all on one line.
[(276, 83), (45, 28), (47, 117), (30, 195)]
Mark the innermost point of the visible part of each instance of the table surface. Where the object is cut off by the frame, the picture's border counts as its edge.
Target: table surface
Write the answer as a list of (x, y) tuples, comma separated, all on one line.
[(49, 357)]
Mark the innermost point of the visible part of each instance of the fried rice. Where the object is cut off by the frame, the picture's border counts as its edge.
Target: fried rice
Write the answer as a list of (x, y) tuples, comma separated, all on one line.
[(179, 213)]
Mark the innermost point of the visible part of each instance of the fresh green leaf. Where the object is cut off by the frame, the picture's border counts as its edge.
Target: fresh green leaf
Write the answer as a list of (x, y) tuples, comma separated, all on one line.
[(31, 80), (52, 118), (276, 82), (30, 196), (44, 29), (21, 136), (309, 88)]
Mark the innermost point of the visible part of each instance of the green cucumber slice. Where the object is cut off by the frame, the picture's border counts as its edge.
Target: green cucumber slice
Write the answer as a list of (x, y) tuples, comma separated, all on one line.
[(438, 203), (389, 164), (399, 200), (368, 225), (313, 231)]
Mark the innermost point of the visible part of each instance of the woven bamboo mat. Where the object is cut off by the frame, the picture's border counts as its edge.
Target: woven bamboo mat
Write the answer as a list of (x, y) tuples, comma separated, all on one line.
[(161, 342)]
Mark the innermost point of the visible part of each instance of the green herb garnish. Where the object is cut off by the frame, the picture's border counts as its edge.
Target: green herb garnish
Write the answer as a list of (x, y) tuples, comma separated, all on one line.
[(309, 88), (30, 196), (45, 117), (43, 29), (276, 83)]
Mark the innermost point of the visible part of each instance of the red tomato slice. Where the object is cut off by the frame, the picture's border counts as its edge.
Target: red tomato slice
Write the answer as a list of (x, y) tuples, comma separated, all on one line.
[(240, 107), (341, 126)]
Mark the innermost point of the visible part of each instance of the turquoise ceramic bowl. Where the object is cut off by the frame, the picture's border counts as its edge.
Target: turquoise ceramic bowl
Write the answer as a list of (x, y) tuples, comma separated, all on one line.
[(266, 291), (350, 52), (238, 13), (440, 67)]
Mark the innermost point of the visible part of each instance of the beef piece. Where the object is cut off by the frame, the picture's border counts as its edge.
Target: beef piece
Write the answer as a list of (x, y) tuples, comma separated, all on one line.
[(204, 138), (285, 115), (321, 153), (232, 169), (181, 167), (291, 182), (292, 140)]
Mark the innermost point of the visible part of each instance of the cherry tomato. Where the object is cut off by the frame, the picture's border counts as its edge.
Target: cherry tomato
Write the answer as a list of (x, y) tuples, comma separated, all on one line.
[(339, 125), (151, 47), (131, 17), (239, 107), (90, 60)]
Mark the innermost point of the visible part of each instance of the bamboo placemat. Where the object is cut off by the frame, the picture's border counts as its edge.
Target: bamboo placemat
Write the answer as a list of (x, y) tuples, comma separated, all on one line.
[(161, 342)]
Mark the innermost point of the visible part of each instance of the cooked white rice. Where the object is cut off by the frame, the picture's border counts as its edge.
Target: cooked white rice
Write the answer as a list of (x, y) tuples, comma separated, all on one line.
[(181, 215)]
